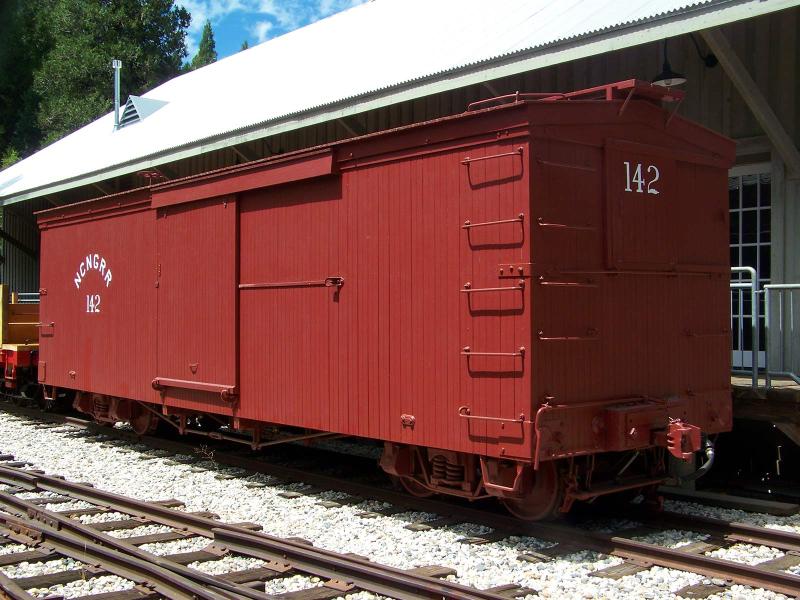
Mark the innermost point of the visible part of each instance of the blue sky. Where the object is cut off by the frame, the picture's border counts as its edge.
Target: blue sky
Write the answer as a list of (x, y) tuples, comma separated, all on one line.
[(234, 21)]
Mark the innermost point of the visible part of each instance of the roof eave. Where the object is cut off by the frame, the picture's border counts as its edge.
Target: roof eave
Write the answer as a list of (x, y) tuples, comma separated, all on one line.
[(664, 26)]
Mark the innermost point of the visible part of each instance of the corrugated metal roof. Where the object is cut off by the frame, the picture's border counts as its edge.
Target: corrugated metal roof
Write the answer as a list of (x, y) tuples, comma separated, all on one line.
[(372, 55)]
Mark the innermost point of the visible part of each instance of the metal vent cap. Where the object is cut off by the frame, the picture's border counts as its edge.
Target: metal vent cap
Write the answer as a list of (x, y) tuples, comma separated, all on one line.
[(138, 108)]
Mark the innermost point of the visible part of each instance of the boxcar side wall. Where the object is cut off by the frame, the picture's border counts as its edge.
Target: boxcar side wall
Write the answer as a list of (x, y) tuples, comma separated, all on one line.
[(98, 305), (418, 241)]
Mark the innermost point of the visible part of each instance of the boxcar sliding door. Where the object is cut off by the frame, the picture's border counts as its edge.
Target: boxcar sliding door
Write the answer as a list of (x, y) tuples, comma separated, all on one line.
[(289, 296), (197, 303)]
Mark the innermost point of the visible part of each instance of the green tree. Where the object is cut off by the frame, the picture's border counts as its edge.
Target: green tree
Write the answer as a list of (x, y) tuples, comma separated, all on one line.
[(74, 81), (24, 41), (207, 51), (245, 45)]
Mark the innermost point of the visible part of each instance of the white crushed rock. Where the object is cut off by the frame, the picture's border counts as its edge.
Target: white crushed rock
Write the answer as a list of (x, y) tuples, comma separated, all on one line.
[(228, 564), (790, 523), (12, 548), (104, 517), (137, 531), (291, 584), (29, 569), (748, 554), (191, 544), (672, 538), (76, 589), (30, 495), (65, 506), (384, 539)]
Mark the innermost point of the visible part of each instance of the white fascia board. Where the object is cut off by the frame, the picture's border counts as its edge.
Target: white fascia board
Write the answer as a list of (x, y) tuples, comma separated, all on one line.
[(702, 17)]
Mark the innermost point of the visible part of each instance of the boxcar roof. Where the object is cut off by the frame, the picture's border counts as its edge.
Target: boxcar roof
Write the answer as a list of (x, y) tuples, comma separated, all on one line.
[(375, 54), (702, 144)]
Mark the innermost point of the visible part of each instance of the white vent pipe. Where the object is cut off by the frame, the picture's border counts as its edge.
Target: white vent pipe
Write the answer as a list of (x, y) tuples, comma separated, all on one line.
[(117, 66)]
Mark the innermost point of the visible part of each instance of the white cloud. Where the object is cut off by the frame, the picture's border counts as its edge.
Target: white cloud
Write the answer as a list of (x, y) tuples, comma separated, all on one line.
[(325, 8), (260, 30), (288, 14), (281, 15)]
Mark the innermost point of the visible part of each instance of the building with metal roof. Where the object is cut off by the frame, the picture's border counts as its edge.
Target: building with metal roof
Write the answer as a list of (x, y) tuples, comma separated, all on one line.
[(388, 63), (371, 56)]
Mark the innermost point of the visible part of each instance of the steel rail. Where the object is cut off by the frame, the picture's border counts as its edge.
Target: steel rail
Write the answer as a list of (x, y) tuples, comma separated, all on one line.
[(119, 563), (29, 515), (740, 573), (728, 530), (376, 578), (10, 590), (560, 533), (379, 579)]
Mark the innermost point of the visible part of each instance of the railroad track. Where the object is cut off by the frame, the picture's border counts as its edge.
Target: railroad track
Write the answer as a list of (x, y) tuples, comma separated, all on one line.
[(51, 533), (566, 538)]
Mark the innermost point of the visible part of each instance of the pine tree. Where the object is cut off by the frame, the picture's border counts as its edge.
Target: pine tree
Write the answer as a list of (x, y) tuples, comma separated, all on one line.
[(207, 52), (245, 45), (55, 58)]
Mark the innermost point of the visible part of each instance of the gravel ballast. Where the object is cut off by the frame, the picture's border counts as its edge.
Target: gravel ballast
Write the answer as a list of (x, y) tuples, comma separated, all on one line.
[(236, 496)]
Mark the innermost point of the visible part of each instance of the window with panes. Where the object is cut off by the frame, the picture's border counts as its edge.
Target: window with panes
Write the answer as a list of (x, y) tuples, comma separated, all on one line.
[(750, 215)]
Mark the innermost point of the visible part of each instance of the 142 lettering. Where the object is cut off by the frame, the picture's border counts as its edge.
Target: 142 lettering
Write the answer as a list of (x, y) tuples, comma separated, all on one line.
[(92, 303), (635, 178)]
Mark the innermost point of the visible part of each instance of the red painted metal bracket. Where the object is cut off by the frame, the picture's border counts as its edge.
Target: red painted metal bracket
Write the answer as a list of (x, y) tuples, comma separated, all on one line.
[(542, 223), (516, 97), (333, 281), (515, 489), (467, 351), (227, 393), (591, 335), (464, 413), (683, 439), (469, 225), (574, 284), (47, 329), (467, 160), (468, 289)]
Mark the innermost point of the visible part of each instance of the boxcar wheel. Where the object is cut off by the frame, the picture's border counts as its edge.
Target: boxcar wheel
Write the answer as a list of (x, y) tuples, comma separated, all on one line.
[(543, 499), (415, 488), (143, 421)]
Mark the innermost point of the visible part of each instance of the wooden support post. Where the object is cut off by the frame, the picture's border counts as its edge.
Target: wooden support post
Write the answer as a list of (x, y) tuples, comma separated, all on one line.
[(353, 128), (243, 153), (102, 189), (754, 98), (492, 90)]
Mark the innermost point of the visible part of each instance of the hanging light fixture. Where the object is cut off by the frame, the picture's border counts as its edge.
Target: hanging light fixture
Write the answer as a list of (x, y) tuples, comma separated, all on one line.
[(668, 78)]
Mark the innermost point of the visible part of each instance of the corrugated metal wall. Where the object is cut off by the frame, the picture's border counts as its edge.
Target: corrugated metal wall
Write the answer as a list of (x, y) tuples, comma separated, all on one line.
[(20, 267)]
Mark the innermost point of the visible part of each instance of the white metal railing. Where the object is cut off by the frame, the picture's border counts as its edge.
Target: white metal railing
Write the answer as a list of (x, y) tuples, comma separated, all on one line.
[(752, 285), (28, 297), (782, 290), (786, 307)]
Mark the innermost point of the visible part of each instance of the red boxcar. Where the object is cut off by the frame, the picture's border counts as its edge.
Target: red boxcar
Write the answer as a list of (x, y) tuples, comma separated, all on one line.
[(528, 300)]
